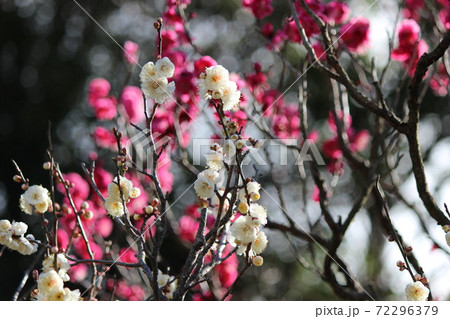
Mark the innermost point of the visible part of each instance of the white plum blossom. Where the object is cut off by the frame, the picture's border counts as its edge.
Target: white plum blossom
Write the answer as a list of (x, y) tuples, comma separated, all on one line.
[(11, 236), (214, 160), (252, 191), (72, 295), (25, 206), (154, 82), (204, 188), (26, 247), (167, 283), (35, 196), (51, 288), (5, 225), (230, 96), (148, 71), (243, 230), (257, 261), (62, 265), (215, 83), (5, 238), (49, 283), (417, 292), (125, 185), (114, 207), (214, 78), (114, 203), (43, 207), (259, 214), (260, 243), (19, 228), (229, 148), (170, 289), (135, 192), (205, 184), (211, 175), (165, 67), (163, 279), (158, 88), (253, 187), (51, 280)]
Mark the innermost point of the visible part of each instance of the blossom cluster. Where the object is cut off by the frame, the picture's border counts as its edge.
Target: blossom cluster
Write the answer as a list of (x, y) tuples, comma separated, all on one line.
[(104, 105), (259, 8), (35, 199), (353, 32), (12, 236), (245, 231), (154, 80), (215, 84), (51, 280), (410, 47), (120, 191), (207, 179), (168, 284)]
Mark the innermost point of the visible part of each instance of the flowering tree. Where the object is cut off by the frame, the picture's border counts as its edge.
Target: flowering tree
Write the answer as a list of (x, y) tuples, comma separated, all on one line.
[(115, 229)]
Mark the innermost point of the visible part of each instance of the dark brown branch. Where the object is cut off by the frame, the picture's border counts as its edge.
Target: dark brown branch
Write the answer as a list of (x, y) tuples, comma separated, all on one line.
[(415, 153)]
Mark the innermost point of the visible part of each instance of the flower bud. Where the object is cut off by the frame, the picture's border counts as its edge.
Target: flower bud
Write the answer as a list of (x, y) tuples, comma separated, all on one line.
[(240, 144), (137, 217), (258, 261), (255, 196), (243, 208), (47, 166), (148, 209), (17, 178), (88, 215), (84, 205), (155, 202)]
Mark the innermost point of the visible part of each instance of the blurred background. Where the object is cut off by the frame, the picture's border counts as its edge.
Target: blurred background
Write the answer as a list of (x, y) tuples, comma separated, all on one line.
[(50, 50)]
